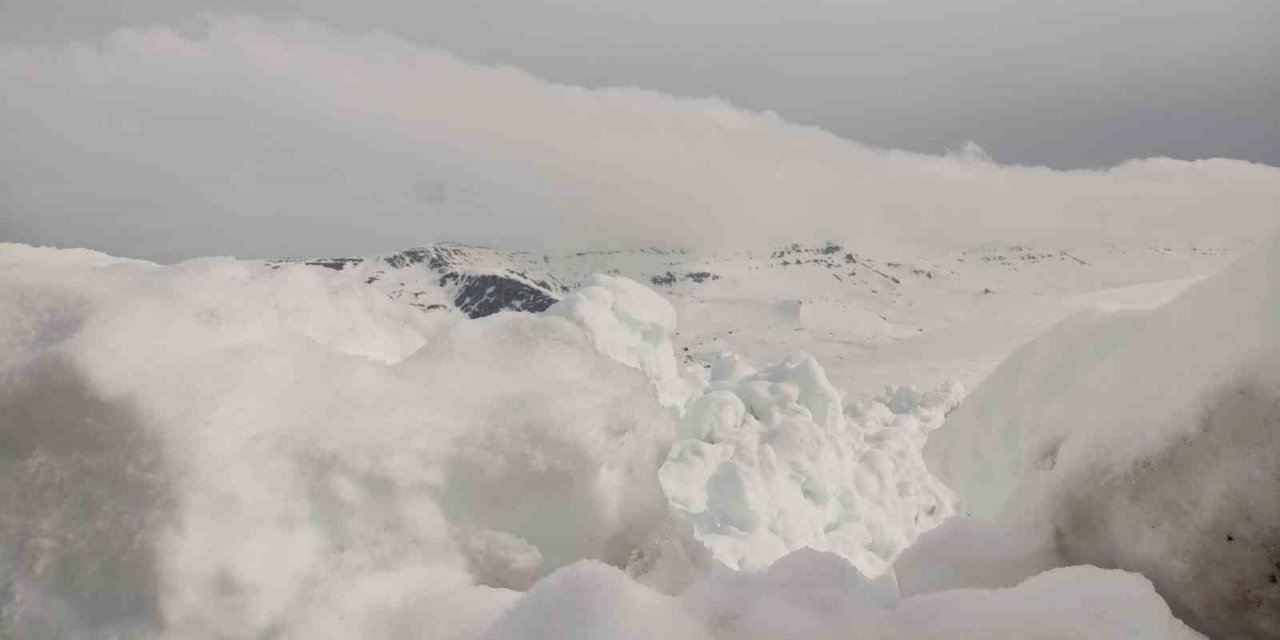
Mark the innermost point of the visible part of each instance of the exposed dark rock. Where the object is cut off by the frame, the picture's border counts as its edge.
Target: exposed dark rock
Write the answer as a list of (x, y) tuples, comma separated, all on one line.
[(701, 276), (664, 280), (486, 294), (337, 264), (479, 295)]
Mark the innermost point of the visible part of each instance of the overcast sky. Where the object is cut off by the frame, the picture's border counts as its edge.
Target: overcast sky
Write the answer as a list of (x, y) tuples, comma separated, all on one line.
[(150, 129), (1067, 83)]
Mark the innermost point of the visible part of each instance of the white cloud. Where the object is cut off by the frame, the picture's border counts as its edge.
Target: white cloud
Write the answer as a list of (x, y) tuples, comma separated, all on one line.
[(257, 138)]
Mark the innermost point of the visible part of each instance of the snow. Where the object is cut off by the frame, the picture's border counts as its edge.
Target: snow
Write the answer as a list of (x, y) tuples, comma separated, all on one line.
[(222, 448), (1155, 455), (243, 449), (289, 454), (815, 595), (995, 432), (771, 461), (631, 324), (1083, 603), (968, 553)]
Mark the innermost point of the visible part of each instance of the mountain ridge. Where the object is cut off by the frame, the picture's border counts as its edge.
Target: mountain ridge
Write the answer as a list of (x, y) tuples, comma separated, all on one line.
[(867, 311)]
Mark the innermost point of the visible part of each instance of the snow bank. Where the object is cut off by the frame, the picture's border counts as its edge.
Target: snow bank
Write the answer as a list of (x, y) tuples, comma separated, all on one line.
[(771, 461), (45, 294), (1073, 603), (816, 595), (1156, 454), (226, 449), (997, 429)]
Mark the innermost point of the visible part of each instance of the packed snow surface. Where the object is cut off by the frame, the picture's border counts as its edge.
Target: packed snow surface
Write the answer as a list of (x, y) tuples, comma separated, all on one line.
[(1142, 440), (809, 594), (220, 448)]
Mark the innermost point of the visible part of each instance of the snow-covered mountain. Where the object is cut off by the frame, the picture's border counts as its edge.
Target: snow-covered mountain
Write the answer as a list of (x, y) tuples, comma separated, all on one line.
[(875, 315), (474, 281)]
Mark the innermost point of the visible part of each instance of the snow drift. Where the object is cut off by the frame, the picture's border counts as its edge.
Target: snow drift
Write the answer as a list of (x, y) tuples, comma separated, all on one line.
[(236, 449), (224, 449), (815, 595), (1139, 440)]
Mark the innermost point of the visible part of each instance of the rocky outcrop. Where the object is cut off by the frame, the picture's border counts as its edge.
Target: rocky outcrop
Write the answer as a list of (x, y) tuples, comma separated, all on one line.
[(481, 282), (486, 294)]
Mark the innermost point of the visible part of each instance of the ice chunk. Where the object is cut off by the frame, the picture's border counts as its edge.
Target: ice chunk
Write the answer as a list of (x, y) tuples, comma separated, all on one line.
[(631, 324), (769, 461)]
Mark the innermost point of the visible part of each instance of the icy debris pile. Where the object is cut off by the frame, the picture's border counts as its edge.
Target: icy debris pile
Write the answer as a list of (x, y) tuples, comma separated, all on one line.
[(1142, 441), (769, 461)]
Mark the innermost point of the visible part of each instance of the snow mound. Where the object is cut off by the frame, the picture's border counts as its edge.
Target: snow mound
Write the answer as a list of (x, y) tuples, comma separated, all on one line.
[(819, 596), (996, 430), (226, 449), (770, 461), (1156, 455), (1072, 603)]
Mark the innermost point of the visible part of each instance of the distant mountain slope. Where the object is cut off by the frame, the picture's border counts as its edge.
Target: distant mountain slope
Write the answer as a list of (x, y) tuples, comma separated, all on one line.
[(873, 315), (475, 281)]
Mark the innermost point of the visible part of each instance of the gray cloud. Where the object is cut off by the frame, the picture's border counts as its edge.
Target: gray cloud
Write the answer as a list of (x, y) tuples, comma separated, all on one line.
[(267, 139), (1086, 83)]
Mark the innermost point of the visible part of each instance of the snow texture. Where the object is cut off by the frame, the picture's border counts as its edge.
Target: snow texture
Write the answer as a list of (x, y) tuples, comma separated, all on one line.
[(631, 324), (771, 461), (219, 449), (815, 595), (1156, 453), (224, 449)]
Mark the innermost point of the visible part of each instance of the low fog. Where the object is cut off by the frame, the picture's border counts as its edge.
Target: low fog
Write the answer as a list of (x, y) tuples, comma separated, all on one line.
[(1085, 83), (257, 138)]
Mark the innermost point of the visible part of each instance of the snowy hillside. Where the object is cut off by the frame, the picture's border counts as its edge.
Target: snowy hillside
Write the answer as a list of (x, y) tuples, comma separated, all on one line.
[(1144, 440), (876, 316)]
